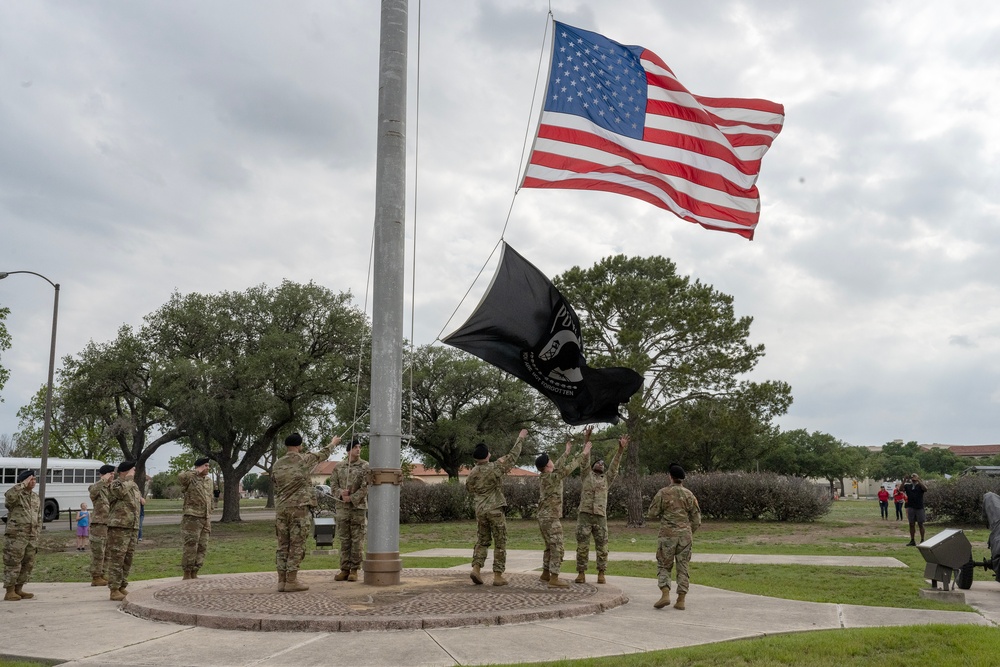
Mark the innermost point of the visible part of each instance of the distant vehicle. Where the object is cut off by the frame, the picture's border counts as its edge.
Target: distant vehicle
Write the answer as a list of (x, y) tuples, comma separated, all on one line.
[(66, 482)]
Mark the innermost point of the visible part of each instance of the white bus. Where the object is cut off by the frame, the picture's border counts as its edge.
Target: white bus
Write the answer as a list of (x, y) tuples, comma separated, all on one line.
[(66, 482)]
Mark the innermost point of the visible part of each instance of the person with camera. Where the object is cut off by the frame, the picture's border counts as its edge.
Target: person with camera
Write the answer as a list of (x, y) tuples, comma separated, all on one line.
[(914, 489)]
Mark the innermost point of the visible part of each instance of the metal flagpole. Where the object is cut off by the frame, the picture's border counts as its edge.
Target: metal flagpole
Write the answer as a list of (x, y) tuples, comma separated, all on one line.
[(383, 565)]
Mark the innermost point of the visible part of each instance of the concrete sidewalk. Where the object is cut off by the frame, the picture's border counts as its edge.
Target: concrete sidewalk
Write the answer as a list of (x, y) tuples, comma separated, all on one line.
[(77, 624)]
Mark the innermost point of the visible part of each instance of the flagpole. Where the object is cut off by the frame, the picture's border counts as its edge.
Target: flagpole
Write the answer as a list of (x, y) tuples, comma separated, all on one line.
[(383, 565)]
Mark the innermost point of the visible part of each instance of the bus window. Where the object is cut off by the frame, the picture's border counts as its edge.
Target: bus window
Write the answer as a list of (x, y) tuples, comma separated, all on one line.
[(9, 475), (56, 476), (91, 476)]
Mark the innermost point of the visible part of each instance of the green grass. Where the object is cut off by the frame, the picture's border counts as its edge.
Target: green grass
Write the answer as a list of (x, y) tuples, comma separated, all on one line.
[(937, 645)]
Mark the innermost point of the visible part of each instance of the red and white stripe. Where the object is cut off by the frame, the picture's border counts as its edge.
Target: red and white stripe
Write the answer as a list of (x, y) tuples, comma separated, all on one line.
[(699, 156)]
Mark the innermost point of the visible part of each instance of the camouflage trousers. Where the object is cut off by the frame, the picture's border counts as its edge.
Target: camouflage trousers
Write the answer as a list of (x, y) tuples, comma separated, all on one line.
[(291, 525), (352, 524), (588, 524), (98, 545), (673, 550), (19, 548), (118, 552), (492, 526), (194, 532), (552, 534)]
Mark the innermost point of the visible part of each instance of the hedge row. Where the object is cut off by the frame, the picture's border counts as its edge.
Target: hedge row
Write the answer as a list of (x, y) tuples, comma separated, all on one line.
[(729, 496), (959, 499)]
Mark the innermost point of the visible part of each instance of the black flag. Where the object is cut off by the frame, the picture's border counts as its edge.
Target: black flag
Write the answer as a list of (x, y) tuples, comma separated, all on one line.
[(525, 326)]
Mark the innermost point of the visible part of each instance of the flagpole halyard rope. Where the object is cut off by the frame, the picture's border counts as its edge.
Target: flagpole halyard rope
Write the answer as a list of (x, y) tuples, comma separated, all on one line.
[(521, 166)]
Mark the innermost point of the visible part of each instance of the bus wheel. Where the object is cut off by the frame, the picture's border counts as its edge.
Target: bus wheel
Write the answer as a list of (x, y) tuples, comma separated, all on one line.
[(51, 510)]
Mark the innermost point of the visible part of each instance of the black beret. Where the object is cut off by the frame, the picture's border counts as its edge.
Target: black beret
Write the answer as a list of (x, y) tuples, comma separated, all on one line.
[(481, 452), (105, 469), (202, 461), (125, 466), (676, 471), (355, 442), (294, 440), (25, 474), (542, 461)]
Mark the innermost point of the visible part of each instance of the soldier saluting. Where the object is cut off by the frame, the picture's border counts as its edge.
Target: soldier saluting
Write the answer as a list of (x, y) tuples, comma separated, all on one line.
[(123, 528), (294, 496), (99, 528), (196, 523), (20, 540)]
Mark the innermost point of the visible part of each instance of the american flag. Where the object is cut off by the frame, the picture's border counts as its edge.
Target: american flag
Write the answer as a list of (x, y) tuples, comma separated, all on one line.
[(616, 119)]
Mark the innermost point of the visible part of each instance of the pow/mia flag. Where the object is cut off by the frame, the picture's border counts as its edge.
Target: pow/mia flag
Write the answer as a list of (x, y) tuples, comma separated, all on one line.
[(525, 326)]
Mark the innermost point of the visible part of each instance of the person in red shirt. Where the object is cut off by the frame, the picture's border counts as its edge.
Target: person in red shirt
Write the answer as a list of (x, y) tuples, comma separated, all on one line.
[(899, 497), (883, 502)]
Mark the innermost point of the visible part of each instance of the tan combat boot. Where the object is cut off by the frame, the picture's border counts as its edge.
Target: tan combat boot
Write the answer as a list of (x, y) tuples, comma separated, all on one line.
[(581, 577), (342, 575), (476, 577), (117, 595), (680, 601), (664, 599), (292, 584), (281, 581), (187, 575), (554, 581), (18, 588), (11, 595), (98, 581), (600, 577), (353, 576), (544, 576), (498, 579), (194, 574)]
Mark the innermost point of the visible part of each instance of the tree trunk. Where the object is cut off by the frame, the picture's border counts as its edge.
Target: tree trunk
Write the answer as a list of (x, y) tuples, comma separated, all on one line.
[(230, 495), (269, 505), (633, 502)]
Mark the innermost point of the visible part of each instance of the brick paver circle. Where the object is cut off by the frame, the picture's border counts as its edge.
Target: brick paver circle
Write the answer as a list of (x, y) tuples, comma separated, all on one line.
[(422, 599)]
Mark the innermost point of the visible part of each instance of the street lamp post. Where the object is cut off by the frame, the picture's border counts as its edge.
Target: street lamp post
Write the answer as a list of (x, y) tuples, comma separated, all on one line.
[(48, 391)]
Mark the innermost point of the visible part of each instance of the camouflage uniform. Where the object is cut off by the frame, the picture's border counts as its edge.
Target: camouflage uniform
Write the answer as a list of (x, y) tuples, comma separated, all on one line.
[(294, 496), (123, 531), (592, 518), (485, 483), (196, 523), (679, 515), (20, 541), (352, 516), (99, 527), (550, 510)]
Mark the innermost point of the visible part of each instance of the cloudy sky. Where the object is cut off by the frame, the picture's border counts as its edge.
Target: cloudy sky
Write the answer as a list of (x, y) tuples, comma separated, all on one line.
[(159, 146)]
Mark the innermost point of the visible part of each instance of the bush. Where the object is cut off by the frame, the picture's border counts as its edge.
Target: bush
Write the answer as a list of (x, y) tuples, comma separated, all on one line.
[(959, 499), (739, 496), (433, 503), (729, 496)]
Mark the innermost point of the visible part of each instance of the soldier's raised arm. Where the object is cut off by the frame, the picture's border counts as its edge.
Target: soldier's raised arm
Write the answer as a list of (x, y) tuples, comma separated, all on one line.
[(565, 471), (616, 461), (324, 453), (510, 459)]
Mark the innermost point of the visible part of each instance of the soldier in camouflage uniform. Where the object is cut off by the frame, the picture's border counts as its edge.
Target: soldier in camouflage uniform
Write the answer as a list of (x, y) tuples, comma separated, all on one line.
[(679, 515), (550, 509), (196, 522), (125, 499), (592, 517), (99, 524), (485, 483), (20, 540), (349, 485), (294, 497)]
